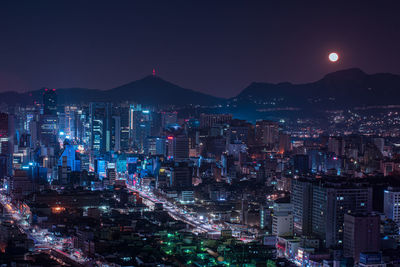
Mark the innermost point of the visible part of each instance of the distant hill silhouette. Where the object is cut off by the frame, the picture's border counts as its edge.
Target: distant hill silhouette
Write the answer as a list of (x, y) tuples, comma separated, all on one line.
[(149, 90), (341, 89)]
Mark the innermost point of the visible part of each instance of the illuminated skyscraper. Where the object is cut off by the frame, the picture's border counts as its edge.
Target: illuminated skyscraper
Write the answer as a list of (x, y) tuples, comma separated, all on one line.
[(123, 113), (140, 122), (50, 102), (5, 159), (100, 124), (4, 132), (48, 130)]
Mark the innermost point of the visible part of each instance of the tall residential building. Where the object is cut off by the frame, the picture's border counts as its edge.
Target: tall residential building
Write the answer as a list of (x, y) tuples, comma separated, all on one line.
[(361, 234)]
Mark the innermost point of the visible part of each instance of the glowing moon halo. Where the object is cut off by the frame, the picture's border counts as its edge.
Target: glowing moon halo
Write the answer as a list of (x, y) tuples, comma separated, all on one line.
[(333, 57)]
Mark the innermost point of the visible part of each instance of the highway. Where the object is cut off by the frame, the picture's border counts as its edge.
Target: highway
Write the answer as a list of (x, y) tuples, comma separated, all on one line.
[(199, 225)]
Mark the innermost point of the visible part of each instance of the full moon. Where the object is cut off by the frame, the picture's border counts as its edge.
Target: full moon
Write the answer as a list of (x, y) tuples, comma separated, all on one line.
[(333, 57)]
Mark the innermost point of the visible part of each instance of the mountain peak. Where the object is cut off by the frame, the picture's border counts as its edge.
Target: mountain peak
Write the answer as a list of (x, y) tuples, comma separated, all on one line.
[(154, 79), (151, 77)]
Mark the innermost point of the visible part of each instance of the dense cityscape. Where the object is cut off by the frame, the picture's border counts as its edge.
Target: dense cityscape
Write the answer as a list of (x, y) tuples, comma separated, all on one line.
[(199, 133), (133, 185)]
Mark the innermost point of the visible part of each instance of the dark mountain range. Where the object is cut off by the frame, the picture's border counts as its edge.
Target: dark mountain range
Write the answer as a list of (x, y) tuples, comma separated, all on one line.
[(341, 89), (149, 90)]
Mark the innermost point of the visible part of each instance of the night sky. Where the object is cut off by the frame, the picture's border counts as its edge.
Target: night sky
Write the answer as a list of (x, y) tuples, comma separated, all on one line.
[(216, 47)]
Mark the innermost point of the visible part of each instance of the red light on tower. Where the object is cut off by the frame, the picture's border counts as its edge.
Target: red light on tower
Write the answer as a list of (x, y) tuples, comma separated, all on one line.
[(154, 72)]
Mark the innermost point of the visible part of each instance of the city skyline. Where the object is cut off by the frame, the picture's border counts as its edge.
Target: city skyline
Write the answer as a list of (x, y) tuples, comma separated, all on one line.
[(215, 48), (200, 133)]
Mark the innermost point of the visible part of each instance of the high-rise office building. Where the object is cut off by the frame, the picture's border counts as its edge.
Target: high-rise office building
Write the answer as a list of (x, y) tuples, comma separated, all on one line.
[(330, 202), (49, 124), (48, 130), (123, 113), (140, 125), (67, 122), (49, 102), (100, 124), (301, 198), (4, 134), (319, 207), (178, 147)]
